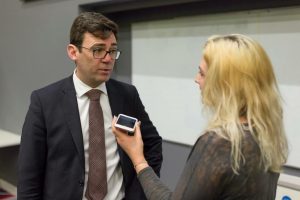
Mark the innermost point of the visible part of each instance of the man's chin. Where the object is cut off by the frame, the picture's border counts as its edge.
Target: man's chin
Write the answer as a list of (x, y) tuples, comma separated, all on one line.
[(103, 79)]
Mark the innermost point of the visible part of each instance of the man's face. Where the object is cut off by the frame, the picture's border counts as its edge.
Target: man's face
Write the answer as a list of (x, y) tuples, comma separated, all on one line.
[(94, 71)]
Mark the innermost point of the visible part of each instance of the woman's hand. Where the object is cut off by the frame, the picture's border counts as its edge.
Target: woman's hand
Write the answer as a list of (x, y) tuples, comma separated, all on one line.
[(132, 145)]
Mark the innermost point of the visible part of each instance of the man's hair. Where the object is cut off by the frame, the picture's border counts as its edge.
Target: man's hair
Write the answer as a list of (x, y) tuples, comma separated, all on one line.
[(94, 23)]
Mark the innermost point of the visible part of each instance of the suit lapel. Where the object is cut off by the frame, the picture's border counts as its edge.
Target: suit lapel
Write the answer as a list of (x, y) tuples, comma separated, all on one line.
[(72, 116), (116, 100)]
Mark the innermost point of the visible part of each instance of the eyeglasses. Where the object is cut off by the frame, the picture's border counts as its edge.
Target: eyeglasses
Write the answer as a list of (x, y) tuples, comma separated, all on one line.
[(100, 53)]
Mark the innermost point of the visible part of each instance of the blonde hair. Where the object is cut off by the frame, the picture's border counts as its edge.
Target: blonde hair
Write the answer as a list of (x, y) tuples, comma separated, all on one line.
[(240, 82)]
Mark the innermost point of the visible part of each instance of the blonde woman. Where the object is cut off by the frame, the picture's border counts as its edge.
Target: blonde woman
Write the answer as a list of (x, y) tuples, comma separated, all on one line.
[(241, 152)]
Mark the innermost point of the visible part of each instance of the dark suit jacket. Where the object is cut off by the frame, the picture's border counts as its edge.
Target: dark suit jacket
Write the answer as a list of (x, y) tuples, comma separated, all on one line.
[(51, 159)]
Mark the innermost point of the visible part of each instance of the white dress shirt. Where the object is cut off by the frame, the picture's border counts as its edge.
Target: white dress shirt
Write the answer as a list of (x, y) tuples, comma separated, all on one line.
[(115, 187)]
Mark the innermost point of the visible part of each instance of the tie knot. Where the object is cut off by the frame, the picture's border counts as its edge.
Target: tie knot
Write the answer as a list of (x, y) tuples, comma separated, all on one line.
[(94, 94)]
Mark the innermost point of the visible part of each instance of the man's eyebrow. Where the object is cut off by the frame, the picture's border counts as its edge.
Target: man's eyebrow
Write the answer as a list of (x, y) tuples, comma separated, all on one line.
[(103, 45), (98, 45)]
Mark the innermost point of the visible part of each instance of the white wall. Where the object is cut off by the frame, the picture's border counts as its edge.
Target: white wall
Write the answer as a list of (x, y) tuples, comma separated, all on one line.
[(166, 55)]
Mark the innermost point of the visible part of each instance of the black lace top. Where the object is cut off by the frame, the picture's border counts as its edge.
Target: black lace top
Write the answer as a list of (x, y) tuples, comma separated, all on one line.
[(208, 174)]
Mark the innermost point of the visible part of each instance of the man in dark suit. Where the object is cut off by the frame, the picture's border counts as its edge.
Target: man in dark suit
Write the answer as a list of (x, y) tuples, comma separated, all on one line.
[(53, 159)]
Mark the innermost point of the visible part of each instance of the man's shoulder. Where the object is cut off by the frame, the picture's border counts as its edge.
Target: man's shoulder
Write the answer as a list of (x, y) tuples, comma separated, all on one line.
[(115, 84), (65, 83)]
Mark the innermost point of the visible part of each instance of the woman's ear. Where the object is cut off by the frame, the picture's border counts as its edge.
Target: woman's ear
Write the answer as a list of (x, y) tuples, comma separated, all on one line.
[(72, 52)]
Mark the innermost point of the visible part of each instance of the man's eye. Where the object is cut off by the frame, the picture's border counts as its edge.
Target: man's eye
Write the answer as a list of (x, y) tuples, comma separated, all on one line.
[(98, 50)]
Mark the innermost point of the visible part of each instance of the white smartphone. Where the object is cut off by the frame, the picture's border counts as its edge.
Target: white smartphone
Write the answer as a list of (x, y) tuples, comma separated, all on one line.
[(126, 123)]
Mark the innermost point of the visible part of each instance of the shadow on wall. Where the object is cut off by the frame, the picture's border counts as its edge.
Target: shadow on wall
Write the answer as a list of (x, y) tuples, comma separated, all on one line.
[(174, 159)]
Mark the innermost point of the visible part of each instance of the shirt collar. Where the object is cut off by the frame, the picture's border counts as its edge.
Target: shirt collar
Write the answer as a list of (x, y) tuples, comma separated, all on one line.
[(82, 88)]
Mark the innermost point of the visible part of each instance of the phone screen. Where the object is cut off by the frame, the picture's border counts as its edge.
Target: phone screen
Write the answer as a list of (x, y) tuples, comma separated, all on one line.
[(125, 121)]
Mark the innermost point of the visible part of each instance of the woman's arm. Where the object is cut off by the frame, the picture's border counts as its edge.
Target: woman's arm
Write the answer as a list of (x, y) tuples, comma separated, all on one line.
[(204, 176)]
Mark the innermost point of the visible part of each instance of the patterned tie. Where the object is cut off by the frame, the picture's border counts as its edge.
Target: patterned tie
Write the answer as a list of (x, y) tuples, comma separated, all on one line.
[(97, 181)]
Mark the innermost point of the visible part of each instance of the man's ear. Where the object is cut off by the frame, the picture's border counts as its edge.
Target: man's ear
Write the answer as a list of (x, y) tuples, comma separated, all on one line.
[(72, 52)]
